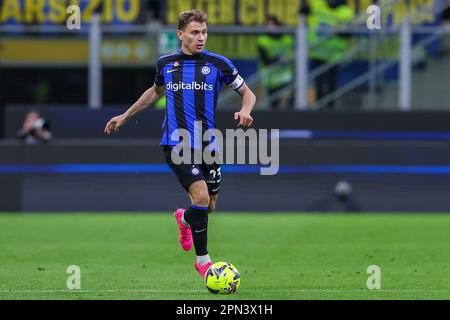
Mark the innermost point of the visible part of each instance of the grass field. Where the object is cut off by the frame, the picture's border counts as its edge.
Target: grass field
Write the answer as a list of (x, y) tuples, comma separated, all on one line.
[(279, 256)]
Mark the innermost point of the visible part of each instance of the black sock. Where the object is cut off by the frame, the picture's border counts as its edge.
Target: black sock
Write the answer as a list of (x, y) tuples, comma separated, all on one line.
[(197, 217)]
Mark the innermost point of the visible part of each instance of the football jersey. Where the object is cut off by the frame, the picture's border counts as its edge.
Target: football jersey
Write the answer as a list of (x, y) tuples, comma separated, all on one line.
[(193, 84)]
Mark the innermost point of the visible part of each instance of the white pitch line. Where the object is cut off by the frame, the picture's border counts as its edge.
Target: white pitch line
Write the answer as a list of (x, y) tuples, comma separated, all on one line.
[(203, 291), (97, 291)]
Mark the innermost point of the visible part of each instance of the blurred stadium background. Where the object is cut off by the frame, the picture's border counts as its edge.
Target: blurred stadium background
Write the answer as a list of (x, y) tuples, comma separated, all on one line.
[(384, 128)]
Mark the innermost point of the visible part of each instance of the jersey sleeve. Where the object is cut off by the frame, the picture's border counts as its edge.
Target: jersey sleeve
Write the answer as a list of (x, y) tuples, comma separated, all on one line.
[(159, 76), (230, 75)]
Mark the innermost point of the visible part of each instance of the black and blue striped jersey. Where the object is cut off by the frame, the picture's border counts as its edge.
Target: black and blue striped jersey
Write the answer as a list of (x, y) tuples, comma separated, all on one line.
[(193, 84)]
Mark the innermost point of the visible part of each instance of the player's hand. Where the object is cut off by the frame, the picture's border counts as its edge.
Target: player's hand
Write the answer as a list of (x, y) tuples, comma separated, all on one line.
[(114, 124), (244, 119)]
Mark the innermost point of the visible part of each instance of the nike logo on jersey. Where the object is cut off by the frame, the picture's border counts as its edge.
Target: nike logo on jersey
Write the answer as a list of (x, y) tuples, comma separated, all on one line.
[(170, 71), (198, 231)]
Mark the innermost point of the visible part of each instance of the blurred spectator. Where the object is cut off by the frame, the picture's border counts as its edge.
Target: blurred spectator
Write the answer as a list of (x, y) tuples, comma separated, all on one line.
[(324, 46), (35, 129), (276, 51)]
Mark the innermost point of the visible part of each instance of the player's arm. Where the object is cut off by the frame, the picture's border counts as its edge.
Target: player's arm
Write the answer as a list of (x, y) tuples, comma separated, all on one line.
[(248, 102), (231, 77), (148, 98)]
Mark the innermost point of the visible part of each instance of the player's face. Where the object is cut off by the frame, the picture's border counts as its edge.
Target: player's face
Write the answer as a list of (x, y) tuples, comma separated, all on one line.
[(193, 37)]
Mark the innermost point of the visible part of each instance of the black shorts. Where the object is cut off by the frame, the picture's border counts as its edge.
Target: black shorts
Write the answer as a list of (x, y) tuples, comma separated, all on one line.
[(189, 173)]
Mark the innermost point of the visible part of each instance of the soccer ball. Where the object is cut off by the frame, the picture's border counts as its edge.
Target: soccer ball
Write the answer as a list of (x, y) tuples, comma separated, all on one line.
[(222, 278)]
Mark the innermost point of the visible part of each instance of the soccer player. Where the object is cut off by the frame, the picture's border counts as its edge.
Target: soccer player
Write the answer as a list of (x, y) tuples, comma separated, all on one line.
[(191, 78)]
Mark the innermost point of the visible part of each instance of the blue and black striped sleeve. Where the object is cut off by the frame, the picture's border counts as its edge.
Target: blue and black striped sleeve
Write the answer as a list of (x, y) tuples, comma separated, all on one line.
[(228, 72), (230, 75), (159, 76)]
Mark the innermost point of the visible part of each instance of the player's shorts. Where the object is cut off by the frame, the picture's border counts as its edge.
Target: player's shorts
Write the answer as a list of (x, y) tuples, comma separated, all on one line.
[(189, 173)]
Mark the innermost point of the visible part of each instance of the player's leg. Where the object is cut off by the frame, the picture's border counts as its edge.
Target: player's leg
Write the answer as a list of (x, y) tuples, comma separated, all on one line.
[(193, 222), (187, 175), (212, 203), (197, 217), (203, 196)]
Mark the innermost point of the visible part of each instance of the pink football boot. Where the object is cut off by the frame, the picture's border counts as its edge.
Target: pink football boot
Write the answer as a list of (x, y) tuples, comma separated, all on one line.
[(203, 268), (185, 236)]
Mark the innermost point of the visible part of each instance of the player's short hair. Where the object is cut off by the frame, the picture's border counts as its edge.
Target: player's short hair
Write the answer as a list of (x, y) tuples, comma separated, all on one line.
[(187, 17)]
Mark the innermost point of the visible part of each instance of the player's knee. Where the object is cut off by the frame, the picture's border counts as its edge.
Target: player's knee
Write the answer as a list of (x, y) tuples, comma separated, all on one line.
[(201, 198)]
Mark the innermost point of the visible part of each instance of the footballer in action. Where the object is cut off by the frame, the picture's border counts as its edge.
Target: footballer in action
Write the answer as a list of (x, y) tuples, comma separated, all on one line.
[(191, 78)]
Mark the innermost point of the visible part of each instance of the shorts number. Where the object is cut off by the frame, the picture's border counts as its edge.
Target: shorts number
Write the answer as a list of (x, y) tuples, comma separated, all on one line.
[(216, 173)]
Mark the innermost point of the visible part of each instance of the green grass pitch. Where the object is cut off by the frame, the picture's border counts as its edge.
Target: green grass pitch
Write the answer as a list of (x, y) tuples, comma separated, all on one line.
[(279, 256)]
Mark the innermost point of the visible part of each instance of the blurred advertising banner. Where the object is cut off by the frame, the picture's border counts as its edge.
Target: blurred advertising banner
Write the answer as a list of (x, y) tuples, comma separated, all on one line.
[(128, 51), (253, 12), (220, 12), (54, 12)]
